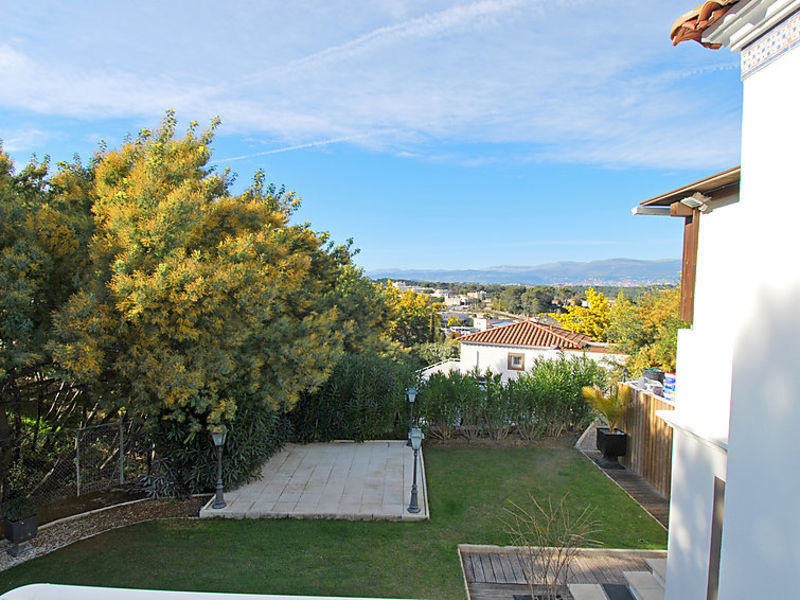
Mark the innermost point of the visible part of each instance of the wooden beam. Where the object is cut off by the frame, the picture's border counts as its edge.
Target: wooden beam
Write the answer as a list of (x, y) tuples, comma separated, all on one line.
[(691, 231), (678, 209)]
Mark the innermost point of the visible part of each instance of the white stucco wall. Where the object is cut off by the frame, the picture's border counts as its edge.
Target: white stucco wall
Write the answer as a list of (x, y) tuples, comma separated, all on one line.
[(695, 463), (761, 534), (702, 398), (485, 356)]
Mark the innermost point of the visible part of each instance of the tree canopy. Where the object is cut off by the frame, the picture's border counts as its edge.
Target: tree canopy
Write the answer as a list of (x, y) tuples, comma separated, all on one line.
[(142, 282), (592, 320), (192, 287), (648, 330), (414, 316)]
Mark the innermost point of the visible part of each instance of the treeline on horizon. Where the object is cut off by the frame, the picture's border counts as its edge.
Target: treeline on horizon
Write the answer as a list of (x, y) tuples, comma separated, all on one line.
[(557, 291)]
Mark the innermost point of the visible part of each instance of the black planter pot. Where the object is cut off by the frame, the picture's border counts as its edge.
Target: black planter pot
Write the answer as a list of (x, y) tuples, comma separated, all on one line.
[(612, 446), (17, 532)]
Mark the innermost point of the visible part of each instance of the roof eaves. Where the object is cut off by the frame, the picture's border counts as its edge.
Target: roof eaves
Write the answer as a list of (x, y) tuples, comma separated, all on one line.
[(720, 184)]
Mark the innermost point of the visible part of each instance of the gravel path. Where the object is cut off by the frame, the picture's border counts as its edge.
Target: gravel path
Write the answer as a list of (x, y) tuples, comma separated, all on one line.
[(61, 533)]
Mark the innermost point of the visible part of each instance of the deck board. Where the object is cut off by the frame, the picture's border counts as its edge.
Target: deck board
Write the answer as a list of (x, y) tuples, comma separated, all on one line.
[(495, 573), (637, 488)]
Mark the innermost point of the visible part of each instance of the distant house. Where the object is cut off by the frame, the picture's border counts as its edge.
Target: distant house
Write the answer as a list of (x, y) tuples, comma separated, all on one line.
[(511, 349), (484, 323), (457, 300)]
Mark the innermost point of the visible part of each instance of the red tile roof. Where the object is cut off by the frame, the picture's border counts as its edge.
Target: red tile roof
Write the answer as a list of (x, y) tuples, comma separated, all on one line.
[(529, 333), (691, 25)]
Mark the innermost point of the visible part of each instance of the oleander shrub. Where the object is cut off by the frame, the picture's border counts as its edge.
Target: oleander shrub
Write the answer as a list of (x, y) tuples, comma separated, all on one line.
[(364, 398), (556, 397), (437, 405), (546, 400), (496, 409), (187, 465)]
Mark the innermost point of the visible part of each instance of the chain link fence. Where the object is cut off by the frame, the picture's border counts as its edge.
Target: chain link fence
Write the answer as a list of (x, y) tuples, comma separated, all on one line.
[(108, 454), (89, 459)]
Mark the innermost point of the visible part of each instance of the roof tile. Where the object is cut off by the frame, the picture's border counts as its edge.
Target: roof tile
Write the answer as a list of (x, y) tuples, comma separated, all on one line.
[(691, 25), (529, 333)]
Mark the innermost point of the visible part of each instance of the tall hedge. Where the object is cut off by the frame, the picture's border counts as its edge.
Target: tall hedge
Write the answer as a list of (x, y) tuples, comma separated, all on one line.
[(546, 400), (185, 466), (364, 398)]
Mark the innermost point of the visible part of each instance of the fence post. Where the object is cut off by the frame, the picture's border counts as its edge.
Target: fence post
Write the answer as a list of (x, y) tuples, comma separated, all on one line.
[(121, 453), (78, 462)]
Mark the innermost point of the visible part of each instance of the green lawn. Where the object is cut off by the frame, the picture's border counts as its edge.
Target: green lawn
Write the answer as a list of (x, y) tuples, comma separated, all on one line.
[(467, 486)]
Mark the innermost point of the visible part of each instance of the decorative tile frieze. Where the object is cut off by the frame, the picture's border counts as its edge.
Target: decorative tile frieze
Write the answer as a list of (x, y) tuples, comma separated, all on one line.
[(780, 40)]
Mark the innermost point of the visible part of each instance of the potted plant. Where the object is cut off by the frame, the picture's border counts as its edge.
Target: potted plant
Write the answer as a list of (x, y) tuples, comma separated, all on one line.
[(20, 524), (611, 442)]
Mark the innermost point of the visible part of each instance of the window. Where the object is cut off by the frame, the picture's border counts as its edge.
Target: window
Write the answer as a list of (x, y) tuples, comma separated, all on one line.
[(516, 362)]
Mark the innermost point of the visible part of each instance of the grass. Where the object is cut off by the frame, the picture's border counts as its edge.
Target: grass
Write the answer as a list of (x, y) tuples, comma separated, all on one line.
[(468, 488)]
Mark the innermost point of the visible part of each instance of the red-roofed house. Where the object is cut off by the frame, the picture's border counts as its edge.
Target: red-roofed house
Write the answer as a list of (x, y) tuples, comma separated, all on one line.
[(511, 349)]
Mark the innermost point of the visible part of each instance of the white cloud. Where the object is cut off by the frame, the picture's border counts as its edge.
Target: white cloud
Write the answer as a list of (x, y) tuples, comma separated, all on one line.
[(316, 144), (22, 140), (569, 81)]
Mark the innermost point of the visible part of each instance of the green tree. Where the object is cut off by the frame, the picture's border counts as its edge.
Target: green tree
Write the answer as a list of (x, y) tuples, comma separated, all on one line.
[(510, 299), (363, 312), (45, 223), (648, 330), (435, 352), (537, 299)]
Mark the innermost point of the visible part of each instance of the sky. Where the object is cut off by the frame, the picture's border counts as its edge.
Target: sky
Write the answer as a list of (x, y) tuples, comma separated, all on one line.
[(436, 134)]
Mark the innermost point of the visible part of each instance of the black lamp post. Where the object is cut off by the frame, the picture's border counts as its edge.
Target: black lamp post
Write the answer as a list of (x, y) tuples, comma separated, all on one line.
[(416, 438), (218, 435), (411, 394)]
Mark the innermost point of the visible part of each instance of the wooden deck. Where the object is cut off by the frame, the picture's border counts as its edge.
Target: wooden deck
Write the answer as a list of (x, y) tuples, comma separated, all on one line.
[(637, 488), (633, 483), (496, 573)]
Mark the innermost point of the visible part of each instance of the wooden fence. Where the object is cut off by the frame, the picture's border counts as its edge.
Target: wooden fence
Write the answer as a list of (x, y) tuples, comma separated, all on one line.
[(650, 442)]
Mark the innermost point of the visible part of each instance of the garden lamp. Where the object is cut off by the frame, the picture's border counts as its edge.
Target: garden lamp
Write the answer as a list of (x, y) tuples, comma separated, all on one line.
[(411, 394), (219, 434), (416, 438)]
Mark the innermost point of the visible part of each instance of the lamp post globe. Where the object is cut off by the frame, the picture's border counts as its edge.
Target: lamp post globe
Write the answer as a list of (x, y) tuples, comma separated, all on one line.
[(416, 438), (411, 394)]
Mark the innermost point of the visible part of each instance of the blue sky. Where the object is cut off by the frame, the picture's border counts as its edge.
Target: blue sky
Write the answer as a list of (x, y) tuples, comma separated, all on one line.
[(437, 134)]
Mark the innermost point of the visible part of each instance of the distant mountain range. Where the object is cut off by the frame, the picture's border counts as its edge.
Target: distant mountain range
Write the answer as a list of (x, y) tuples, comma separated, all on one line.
[(614, 271)]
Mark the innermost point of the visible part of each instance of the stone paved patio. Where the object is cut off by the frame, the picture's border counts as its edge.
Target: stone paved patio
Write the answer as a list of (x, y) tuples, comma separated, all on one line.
[(340, 480)]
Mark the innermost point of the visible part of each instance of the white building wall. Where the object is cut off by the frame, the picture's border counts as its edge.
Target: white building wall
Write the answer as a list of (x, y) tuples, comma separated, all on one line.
[(695, 463), (702, 398), (484, 356), (761, 534)]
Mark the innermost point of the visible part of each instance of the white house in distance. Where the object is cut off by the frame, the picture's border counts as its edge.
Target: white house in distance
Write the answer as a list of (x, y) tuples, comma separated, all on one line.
[(511, 349), (734, 522), (482, 323)]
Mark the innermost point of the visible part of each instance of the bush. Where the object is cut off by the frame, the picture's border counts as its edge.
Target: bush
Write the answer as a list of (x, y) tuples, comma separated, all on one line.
[(437, 405), (546, 400), (19, 508), (187, 466), (434, 352), (364, 398)]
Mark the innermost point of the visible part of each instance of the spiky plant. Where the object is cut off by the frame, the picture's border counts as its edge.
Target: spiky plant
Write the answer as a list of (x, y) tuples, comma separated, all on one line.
[(548, 538), (610, 405)]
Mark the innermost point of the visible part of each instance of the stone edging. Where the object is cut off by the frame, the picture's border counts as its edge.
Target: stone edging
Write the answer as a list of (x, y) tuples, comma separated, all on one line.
[(86, 525)]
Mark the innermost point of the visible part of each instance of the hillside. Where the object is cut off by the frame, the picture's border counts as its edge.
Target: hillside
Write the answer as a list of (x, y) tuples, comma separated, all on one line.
[(615, 271)]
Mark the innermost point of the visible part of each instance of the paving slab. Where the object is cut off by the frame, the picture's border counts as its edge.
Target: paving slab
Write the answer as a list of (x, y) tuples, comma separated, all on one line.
[(339, 480)]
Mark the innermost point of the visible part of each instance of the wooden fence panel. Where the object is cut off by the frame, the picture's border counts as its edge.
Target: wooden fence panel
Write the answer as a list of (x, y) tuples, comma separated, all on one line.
[(650, 440)]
